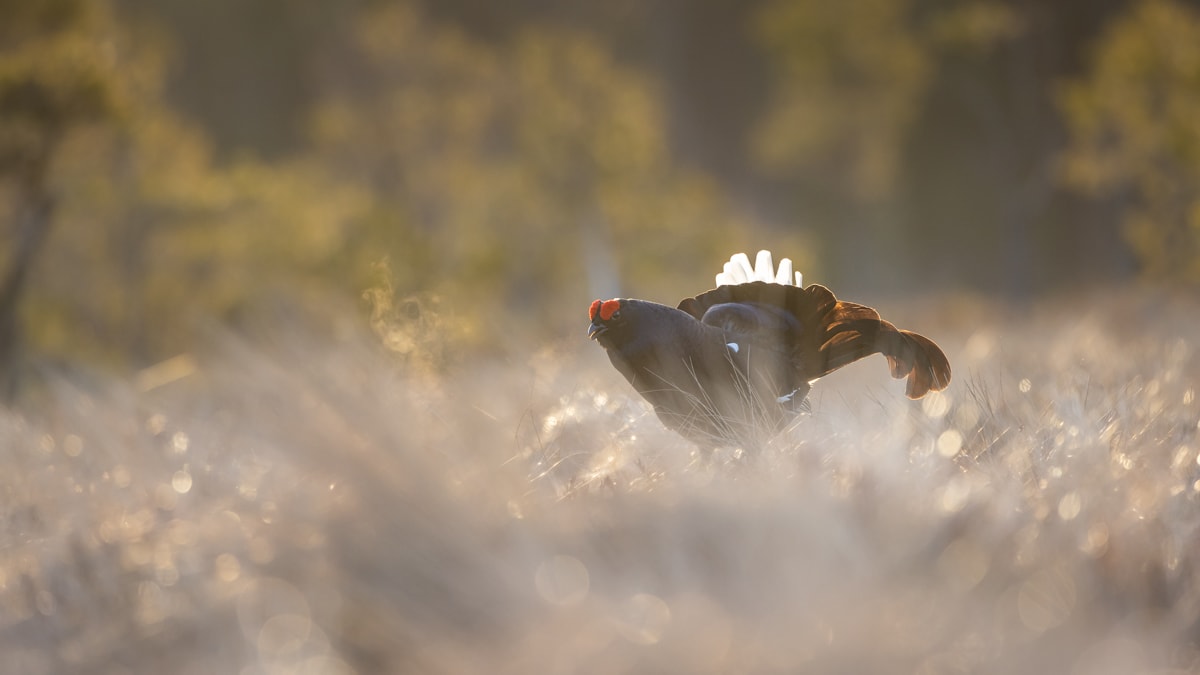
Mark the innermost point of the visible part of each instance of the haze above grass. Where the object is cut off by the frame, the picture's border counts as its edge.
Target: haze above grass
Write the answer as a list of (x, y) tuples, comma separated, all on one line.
[(310, 505)]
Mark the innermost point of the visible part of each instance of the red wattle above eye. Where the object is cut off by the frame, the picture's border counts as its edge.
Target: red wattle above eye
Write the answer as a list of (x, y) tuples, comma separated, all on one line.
[(608, 308)]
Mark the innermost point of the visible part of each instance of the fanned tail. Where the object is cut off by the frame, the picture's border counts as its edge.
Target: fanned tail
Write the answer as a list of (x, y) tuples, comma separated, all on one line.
[(829, 333), (739, 271)]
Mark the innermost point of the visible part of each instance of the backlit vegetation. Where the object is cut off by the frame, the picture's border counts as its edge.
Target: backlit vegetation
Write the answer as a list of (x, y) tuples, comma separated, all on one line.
[(293, 375), (307, 506)]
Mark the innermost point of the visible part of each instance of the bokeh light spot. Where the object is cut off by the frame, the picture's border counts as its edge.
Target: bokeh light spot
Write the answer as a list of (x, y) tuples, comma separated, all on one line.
[(181, 482), (643, 619), (963, 563), (1096, 542), (562, 580), (935, 404), (156, 423), (955, 494), (228, 568), (283, 636), (949, 443), (72, 445), (1046, 599), (1070, 505)]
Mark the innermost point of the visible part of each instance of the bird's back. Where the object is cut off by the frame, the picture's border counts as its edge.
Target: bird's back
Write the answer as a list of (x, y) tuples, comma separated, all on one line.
[(821, 333)]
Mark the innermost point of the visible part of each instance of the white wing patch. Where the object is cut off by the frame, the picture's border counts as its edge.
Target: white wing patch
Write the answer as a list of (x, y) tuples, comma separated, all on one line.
[(739, 271), (789, 397), (733, 347)]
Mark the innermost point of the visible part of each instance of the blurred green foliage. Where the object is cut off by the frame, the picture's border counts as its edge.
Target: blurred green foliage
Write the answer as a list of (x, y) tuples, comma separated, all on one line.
[(481, 174), (1135, 122), (850, 77), (58, 73), (57, 70), (494, 169), (147, 231), (462, 170)]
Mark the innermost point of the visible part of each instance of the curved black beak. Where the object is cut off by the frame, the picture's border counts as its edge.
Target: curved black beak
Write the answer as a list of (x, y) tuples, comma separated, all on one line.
[(596, 330)]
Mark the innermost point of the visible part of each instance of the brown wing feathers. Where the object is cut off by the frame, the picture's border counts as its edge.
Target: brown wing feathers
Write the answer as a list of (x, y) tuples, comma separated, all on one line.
[(833, 334)]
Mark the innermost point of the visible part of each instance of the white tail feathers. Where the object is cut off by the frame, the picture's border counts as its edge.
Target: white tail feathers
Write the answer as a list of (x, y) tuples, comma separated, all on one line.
[(739, 271)]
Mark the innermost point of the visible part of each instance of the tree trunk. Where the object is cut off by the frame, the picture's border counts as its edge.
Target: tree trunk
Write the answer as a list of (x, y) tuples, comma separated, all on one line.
[(33, 216)]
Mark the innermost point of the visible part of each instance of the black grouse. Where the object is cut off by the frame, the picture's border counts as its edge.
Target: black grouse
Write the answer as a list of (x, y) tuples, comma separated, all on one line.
[(730, 367)]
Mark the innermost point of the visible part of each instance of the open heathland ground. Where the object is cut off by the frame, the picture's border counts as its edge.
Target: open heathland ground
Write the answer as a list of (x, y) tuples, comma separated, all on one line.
[(299, 505)]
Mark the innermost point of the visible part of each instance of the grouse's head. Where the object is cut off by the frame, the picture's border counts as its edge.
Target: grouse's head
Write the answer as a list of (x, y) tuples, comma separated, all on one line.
[(607, 320)]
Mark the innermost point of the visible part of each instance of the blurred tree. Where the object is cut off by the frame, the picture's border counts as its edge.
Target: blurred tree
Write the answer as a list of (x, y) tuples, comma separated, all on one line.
[(504, 171), (123, 226), (503, 177), (920, 138), (161, 235), (850, 76), (981, 172), (848, 81), (1134, 133), (245, 69), (57, 74)]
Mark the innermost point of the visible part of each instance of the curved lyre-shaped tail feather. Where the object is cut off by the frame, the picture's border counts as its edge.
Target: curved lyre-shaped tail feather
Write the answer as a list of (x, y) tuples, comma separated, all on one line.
[(850, 332), (913, 356)]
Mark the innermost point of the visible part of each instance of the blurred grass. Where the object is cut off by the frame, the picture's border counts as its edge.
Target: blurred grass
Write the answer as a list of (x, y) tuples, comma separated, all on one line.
[(306, 502)]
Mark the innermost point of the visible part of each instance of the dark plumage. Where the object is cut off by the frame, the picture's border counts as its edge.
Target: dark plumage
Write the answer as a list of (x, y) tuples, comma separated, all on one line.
[(732, 365)]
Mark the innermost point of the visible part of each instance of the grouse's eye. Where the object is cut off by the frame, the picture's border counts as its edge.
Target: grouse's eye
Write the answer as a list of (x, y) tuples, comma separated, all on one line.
[(615, 315)]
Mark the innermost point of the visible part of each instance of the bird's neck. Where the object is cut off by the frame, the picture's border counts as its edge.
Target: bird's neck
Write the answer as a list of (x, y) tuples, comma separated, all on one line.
[(676, 338), (671, 328)]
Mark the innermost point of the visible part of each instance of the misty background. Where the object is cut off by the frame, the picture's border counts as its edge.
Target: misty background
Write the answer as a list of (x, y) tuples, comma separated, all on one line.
[(293, 373), (475, 163)]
